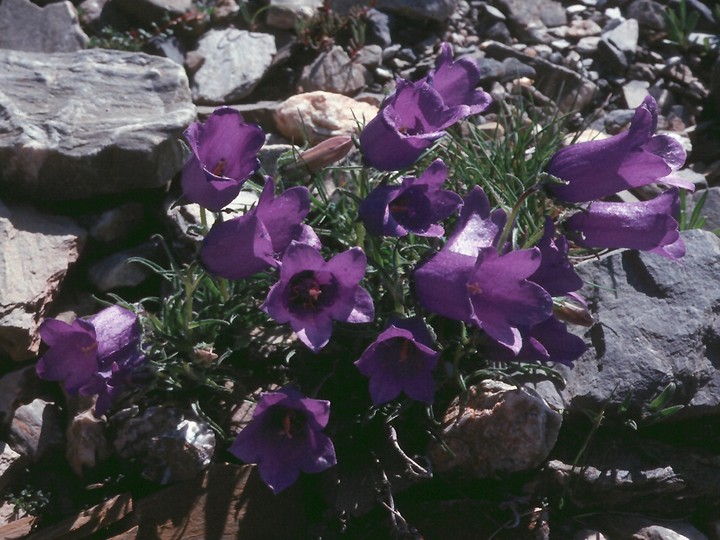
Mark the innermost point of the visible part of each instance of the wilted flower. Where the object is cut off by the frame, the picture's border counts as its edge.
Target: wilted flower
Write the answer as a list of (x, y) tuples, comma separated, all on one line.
[(93, 356), (319, 156), (646, 225), (634, 158), (469, 281), (224, 155), (312, 293), (400, 360), (242, 246), (413, 207), (285, 437)]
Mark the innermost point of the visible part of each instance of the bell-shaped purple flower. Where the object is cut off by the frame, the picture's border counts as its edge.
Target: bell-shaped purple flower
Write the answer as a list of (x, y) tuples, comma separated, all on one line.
[(224, 155), (245, 245), (285, 437), (556, 275), (93, 356), (547, 341), (413, 207), (631, 159), (410, 121), (457, 82), (312, 293), (468, 281), (646, 226), (401, 359)]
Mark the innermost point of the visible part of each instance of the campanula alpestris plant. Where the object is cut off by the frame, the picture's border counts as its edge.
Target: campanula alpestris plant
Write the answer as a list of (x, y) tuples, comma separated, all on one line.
[(401, 359), (646, 225), (95, 356), (224, 154), (312, 293), (245, 245), (417, 114), (285, 437), (416, 206), (636, 157)]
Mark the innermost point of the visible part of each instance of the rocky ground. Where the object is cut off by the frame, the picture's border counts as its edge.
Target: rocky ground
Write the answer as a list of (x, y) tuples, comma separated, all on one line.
[(89, 154)]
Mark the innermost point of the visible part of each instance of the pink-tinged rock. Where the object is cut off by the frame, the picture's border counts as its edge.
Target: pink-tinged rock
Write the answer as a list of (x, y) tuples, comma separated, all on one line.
[(500, 429), (320, 115), (36, 251)]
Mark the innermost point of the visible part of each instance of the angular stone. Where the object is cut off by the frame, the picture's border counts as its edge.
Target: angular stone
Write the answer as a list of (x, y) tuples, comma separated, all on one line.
[(153, 11), (527, 13), (569, 90), (27, 27), (118, 271), (36, 429), (334, 71), (235, 61), (86, 443), (648, 13), (114, 125), (498, 429), (320, 115), (657, 323), (118, 224), (10, 464), (624, 36), (37, 251), (285, 14), (635, 92), (434, 10), (18, 386)]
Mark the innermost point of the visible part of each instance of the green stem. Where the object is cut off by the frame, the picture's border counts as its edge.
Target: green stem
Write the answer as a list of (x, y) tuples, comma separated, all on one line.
[(512, 217)]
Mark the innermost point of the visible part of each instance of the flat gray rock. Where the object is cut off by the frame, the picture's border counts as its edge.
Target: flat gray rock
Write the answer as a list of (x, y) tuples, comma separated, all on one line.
[(657, 323), (27, 27), (528, 13), (334, 71), (435, 10), (36, 252), (234, 63), (94, 122), (149, 11)]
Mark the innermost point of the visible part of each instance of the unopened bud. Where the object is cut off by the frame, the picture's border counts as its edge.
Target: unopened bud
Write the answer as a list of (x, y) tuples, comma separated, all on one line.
[(321, 155), (572, 312)]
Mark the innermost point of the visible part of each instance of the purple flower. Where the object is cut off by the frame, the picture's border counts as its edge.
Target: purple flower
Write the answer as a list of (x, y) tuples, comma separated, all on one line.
[(410, 121), (245, 245), (285, 437), (456, 82), (547, 341), (93, 356), (312, 293), (413, 207), (556, 275), (646, 226), (630, 159), (224, 155), (468, 281), (401, 360)]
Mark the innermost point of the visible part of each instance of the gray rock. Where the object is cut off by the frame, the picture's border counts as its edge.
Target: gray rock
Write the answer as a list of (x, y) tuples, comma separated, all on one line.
[(377, 29), (11, 464), (285, 14), (612, 60), (624, 36), (118, 271), (170, 445), (657, 323), (635, 92), (587, 45), (235, 62), (710, 210), (18, 386), (333, 71), (153, 11), (40, 248), (526, 13), (369, 56), (118, 224), (497, 429), (648, 13), (36, 429), (568, 89), (435, 10), (68, 129), (27, 27), (617, 120)]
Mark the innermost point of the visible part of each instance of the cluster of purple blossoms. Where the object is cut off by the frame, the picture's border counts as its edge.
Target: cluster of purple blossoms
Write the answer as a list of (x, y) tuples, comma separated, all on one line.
[(417, 114), (97, 356), (634, 158)]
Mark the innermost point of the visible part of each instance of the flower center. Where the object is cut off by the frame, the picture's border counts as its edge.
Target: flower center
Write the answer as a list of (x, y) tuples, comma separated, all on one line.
[(311, 291), (219, 168), (474, 288), (288, 423)]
